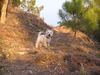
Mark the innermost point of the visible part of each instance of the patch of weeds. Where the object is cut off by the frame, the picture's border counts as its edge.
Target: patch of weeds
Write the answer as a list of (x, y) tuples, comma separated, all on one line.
[(2, 70), (98, 48), (98, 55), (82, 70)]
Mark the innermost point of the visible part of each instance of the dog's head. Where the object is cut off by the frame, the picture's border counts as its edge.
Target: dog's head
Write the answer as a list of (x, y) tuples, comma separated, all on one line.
[(49, 33)]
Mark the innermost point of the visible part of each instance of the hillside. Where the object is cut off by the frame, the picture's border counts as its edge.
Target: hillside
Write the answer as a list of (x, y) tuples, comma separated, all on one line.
[(68, 55)]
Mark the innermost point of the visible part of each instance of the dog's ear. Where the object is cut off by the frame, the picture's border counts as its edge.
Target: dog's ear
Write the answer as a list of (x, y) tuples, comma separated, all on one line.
[(47, 29)]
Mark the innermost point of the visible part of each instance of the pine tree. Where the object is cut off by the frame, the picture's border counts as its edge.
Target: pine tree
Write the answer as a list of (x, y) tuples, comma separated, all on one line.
[(79, 15)]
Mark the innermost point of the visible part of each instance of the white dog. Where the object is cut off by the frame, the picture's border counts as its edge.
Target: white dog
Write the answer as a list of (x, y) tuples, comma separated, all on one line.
[(44, 38), (49, 34)]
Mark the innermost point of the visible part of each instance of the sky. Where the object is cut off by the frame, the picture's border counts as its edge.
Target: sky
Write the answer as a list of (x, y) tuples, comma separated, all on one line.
[(50, 11)]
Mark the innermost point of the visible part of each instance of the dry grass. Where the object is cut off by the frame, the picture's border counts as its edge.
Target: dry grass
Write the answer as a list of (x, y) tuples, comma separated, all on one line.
[(17, 39), (46, 58)]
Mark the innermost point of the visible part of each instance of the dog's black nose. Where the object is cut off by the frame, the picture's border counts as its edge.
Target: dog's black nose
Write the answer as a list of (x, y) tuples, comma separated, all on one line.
[(48, 36)]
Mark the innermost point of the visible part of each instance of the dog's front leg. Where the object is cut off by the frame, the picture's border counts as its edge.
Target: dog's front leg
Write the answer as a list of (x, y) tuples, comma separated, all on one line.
[(45, 44), (37, 45), (49, 40), (48, 44)]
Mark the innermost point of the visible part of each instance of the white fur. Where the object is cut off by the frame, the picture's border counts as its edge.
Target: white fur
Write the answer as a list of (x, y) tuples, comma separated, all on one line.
[(42, 39), (48, 31)]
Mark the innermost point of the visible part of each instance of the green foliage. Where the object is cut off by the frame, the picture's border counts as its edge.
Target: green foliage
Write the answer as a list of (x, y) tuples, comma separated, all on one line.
[(75, 7), (31, 5), (79, 15), (97, 10), (37, 10), (97, 33), (97, 2), (98, 55), (91, 19), (16, 2), (28, 5)]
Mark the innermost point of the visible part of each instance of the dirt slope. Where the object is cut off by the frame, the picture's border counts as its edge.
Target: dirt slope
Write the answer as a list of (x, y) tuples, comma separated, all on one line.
[(68, 55)]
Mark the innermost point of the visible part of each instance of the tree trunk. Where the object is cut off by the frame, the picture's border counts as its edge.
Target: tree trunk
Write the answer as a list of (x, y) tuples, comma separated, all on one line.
[(75, 29), (75, 33), (3, 12)]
